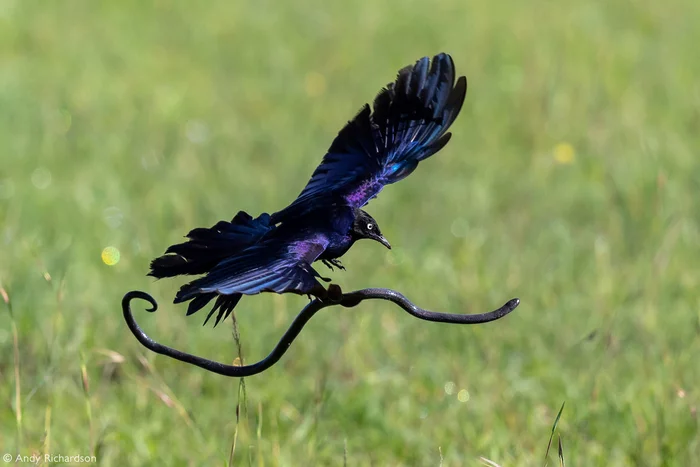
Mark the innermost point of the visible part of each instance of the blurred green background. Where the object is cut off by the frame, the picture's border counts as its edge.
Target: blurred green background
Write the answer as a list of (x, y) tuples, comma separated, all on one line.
[(571, 182)]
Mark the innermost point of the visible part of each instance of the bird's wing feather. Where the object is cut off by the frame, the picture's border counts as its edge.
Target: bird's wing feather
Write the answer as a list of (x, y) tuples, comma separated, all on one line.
[(271, 266), (408, 124), (208, 247)]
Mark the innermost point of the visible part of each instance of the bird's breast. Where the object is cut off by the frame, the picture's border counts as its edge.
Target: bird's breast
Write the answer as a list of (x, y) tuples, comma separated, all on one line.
[(338, 245)]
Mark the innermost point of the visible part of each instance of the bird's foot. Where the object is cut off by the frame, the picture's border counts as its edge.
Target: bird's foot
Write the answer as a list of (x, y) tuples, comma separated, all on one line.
[(334, 294), (337, 264), (329, 263)]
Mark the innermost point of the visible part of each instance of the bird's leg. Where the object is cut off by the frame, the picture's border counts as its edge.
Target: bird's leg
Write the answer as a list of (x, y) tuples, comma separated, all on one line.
[(327, 263), (337, 264)]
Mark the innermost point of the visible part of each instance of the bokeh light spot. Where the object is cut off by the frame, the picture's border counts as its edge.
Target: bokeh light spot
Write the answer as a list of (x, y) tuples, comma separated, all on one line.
[(110, 256), (463, 395), (151, 160), (113, 216), (197, 131), (41, 178), (449, 388), (564, 153)]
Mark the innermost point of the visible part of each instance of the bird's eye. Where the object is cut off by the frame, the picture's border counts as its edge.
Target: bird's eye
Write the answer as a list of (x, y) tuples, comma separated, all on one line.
[(370, 226)]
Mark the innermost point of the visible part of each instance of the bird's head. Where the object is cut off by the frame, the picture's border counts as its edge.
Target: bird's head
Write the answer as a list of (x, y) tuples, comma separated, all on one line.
[(365, 226)]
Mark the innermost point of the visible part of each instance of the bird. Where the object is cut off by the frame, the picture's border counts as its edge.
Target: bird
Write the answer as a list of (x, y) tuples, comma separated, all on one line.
[(383, 144)]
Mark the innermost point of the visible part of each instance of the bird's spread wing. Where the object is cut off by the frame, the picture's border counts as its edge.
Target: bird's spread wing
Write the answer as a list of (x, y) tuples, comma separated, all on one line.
[(271, 266), (408, 124)]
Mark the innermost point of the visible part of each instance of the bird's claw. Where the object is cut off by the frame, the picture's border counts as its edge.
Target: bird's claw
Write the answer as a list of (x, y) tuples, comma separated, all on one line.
[(329, 263), (338, 264)]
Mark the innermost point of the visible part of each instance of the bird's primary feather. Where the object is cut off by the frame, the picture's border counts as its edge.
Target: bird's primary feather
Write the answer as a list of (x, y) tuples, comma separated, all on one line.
[(408, 124)]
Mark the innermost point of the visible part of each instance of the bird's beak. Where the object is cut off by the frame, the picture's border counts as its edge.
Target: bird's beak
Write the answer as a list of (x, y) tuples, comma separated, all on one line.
[(383, 241)]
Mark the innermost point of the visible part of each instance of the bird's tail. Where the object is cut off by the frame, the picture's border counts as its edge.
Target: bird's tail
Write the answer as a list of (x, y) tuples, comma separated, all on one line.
[(412, 115), (206, 248)]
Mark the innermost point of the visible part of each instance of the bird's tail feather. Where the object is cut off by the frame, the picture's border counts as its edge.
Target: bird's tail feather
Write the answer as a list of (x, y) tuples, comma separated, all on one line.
[(206, 248), (224, 303)]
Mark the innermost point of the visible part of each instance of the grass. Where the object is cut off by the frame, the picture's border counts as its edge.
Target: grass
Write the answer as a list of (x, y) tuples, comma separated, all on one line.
[(571, 182)]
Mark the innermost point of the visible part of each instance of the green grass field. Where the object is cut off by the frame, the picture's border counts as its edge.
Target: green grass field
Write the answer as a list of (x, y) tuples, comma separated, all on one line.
[(571, 182)]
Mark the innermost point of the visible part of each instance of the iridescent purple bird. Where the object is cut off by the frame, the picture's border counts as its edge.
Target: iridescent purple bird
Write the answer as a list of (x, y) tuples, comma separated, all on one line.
[(273, 253)]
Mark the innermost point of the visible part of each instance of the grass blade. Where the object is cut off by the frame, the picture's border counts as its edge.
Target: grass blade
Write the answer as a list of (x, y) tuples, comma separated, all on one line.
[(561, 454), (15, 348), (551, 435)]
